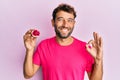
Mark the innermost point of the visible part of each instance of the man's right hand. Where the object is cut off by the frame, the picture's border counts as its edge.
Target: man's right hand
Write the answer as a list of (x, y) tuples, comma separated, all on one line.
[(29, 40), (29, 68)]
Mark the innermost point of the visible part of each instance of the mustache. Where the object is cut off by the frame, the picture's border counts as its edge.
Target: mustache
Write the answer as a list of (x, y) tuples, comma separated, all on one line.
[(63, 27)]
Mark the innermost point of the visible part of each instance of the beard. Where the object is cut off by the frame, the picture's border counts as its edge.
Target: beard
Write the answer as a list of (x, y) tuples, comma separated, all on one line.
[(62, 35)]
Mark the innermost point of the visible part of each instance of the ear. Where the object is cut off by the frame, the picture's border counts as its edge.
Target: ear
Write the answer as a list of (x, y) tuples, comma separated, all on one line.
[(53, 22)]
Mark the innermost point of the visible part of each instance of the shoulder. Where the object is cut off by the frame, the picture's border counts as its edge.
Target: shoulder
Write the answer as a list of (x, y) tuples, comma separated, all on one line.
[(83, 49), (46, 41), (79, 42)]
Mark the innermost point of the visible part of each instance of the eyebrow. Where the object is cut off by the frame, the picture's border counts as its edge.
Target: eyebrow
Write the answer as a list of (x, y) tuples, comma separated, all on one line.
[(62, 17), (59, 17)]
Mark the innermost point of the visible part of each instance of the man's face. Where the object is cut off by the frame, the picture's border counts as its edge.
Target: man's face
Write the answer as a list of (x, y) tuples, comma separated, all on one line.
[(64, 24)]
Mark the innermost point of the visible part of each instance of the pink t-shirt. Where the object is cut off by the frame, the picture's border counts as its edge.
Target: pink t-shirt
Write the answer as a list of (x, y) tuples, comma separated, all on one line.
[(63, 62)]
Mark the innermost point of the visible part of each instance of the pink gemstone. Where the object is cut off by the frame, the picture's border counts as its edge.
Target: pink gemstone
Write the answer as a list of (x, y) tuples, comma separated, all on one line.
[(35, 33)]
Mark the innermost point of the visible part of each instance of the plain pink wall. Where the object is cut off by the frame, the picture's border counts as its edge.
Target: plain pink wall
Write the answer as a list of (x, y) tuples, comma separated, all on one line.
[(17, 16)]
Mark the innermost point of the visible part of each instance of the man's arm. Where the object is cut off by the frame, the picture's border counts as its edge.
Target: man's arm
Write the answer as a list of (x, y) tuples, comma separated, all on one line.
[(29, 69), (97, 72), (96, 50)]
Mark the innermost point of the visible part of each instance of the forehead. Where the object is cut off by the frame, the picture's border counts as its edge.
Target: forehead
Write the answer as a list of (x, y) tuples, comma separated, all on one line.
[(64, 14)]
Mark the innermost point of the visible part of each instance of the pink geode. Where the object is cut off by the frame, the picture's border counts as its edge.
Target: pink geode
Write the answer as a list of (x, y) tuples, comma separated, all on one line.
[(35, 33)]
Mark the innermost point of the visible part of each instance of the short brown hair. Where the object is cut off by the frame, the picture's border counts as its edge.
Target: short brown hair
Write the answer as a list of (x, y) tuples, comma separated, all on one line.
[(63, 7)]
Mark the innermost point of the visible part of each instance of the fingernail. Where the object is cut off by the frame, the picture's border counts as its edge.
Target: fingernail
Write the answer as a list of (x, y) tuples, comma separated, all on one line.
[(90, 45)]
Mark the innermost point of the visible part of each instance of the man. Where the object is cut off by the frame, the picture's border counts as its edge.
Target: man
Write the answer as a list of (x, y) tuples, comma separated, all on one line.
[(64, 57)]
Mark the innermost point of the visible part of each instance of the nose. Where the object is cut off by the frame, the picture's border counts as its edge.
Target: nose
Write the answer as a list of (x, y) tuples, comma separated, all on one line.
[(65, 23)]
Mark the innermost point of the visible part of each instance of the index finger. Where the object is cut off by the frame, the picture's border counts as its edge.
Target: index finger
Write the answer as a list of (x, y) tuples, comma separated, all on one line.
[(95, 36), (29, 31)]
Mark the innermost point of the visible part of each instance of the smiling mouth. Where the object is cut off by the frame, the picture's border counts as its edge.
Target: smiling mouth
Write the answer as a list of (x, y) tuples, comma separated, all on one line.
[(65, 30)]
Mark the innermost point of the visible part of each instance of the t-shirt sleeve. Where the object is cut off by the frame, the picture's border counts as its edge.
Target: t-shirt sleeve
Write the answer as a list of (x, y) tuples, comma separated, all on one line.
[(36, 56), (90, 62)]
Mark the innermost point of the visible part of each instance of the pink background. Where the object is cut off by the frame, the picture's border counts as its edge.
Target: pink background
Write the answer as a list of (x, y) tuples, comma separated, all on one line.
[(17, 16)]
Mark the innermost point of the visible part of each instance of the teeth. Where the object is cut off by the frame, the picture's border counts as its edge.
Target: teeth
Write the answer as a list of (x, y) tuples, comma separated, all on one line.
[(64, 30)]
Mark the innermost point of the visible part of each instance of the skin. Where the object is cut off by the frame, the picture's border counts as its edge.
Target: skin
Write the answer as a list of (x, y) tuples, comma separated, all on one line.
[(64, 25), (97, 52), (29, 69)]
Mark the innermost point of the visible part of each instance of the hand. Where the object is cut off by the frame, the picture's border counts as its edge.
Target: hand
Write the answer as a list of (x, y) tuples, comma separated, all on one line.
[(29, 40), (95, 47)]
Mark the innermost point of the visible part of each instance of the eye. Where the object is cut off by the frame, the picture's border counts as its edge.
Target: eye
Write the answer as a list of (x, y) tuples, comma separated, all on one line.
[(60, 19), (70, 20)]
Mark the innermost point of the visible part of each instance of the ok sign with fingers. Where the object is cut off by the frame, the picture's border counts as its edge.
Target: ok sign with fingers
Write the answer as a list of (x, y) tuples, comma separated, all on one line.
[(95, 47)]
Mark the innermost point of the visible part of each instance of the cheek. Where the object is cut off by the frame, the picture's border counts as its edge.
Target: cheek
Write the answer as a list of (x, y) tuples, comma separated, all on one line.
[(57, 25), (72, 26)]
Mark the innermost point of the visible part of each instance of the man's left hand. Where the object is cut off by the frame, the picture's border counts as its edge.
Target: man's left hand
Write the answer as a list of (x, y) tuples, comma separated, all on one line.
[(95, 47)]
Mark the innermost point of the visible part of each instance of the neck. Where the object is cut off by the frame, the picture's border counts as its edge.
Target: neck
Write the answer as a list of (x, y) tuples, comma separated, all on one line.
[(64, 42)]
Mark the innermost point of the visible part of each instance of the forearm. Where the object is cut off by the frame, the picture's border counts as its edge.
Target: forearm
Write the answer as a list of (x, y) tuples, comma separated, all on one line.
[(97, 72), (28, 65)]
